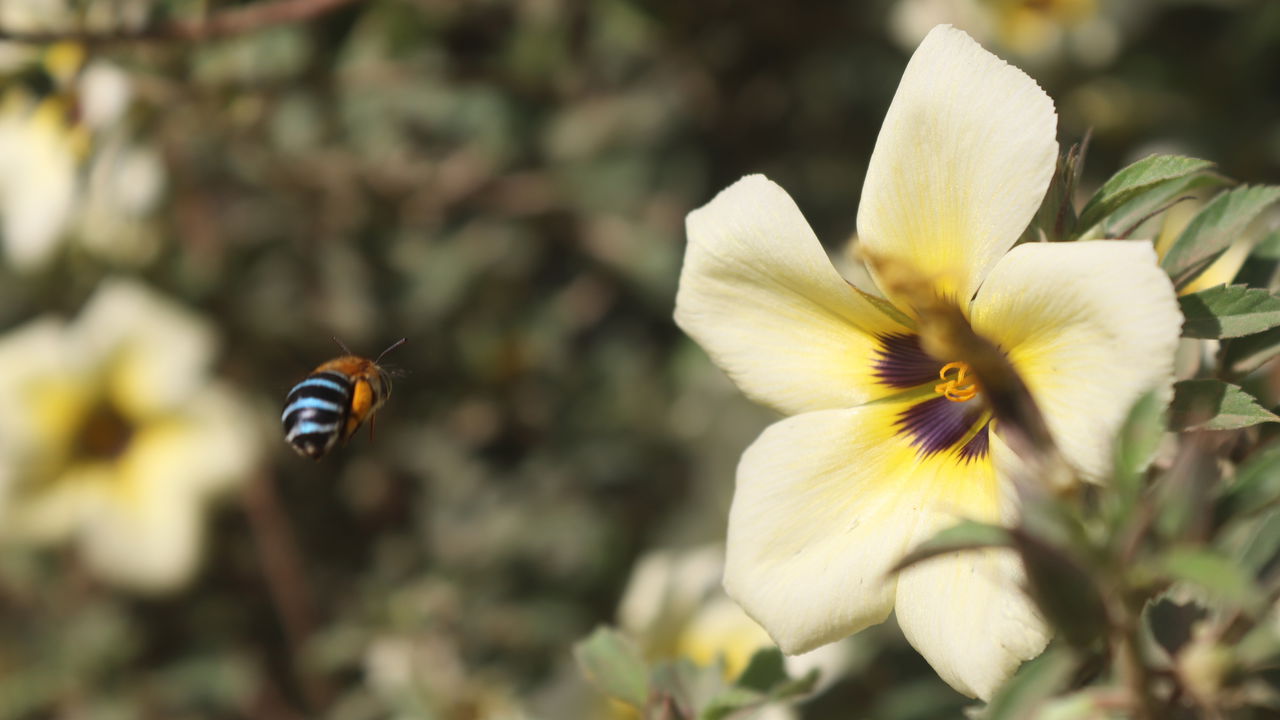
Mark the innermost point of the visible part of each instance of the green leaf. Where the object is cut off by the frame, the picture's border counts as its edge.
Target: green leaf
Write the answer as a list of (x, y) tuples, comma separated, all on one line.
[(1259, 268), (1256, 485), (765, 670), (765, 680), (1229, 311), (1035, 683), (1217, 575), (614, 664), (1136, 446), (967, 535), (1258, 544), (1064, 589), (1132, 181), (730, 701), (1247, 353), (1213, 230), (1214, 405)]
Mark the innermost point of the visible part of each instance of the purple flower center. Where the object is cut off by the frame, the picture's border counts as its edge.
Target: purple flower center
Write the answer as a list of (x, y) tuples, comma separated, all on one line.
[(943, 422)]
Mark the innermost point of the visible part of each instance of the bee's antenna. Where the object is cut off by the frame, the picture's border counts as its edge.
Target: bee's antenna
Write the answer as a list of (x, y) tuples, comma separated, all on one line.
[(393, 346), (342, 345)]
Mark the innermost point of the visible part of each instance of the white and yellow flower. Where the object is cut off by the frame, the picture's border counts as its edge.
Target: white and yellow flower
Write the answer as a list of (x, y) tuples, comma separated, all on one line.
[(49, 140), (1038, 31), (886, 445), (114, 436), (674, 606)]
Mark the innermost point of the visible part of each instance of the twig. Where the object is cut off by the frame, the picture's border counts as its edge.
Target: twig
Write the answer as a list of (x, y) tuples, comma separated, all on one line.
[(282, 569), (233, 21)]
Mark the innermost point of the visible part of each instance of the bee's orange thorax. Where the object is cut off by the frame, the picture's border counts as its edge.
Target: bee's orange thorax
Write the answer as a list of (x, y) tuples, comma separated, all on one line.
[(351, 365)]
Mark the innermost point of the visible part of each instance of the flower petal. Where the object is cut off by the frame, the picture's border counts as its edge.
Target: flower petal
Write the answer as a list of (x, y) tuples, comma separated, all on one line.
[(160, 351), (967, 615), (826, 502), (760, 295), (1090, 326), (961, 165)]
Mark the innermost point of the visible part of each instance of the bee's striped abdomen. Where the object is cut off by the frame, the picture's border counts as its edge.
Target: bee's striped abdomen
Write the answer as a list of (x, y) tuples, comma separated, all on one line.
[(315, 412)]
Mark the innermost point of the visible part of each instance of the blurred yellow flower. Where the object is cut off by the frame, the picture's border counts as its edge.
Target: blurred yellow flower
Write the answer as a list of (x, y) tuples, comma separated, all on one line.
[(674, 606), (114, 436), (1037, 31), (48, 141), (1221, 271)]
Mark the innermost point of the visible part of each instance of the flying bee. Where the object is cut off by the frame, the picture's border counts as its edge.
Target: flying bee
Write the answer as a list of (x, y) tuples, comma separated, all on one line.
[(333, 401)]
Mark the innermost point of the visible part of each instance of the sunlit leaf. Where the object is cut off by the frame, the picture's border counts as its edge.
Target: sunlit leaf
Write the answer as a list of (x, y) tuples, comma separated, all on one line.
[(1213, 230), (1143, 175), (1229, 311), (1214, 405)]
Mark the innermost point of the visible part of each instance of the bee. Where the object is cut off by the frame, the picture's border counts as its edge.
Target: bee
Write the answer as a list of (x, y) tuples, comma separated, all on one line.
[(333, 401)]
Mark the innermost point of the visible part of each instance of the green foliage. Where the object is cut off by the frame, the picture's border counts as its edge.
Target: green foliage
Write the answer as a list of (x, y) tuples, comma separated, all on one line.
[(505, 183), (1229, 311), (1153, 173), (1209, 404), (681, 689), (1214, 228), (965, 535), (614, 664), (1034, 685)]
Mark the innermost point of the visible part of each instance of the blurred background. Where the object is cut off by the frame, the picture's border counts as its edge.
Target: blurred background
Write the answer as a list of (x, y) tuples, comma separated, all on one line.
[(188, 217)]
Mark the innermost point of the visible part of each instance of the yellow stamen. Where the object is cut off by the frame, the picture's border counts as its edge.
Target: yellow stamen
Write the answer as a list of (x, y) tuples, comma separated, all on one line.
[(959, 388)]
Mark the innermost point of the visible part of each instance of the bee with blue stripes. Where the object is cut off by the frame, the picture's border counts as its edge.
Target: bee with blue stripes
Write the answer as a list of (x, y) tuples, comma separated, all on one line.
[(333, 401)]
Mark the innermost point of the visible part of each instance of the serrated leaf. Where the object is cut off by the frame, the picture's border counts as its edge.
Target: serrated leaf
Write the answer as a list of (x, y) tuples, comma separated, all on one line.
[(1229, 311), (967, 535), (1035, 683), (1214, 405), (1244, 354), (1143, 175), (614, 664), (1215, 574), (1213, 229)]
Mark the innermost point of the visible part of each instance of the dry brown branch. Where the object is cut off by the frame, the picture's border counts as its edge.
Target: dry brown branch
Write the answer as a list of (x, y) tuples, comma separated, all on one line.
[(224, 23)]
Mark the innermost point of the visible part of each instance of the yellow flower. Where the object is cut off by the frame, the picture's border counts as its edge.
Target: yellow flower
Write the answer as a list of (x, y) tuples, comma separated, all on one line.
[(113, 435), (47, 141), (886, 445), (1037, 31), (674, 606)]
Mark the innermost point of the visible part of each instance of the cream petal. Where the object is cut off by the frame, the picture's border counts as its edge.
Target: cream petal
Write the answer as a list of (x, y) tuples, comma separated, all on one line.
[(159, 351), (968, 616), (961, 165), (1090, 326), (36, 200), (826, 502), (760, 295)]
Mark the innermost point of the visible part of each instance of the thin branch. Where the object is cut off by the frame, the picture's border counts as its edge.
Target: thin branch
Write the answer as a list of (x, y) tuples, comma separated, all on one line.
[(286, 581), (224, 23)]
